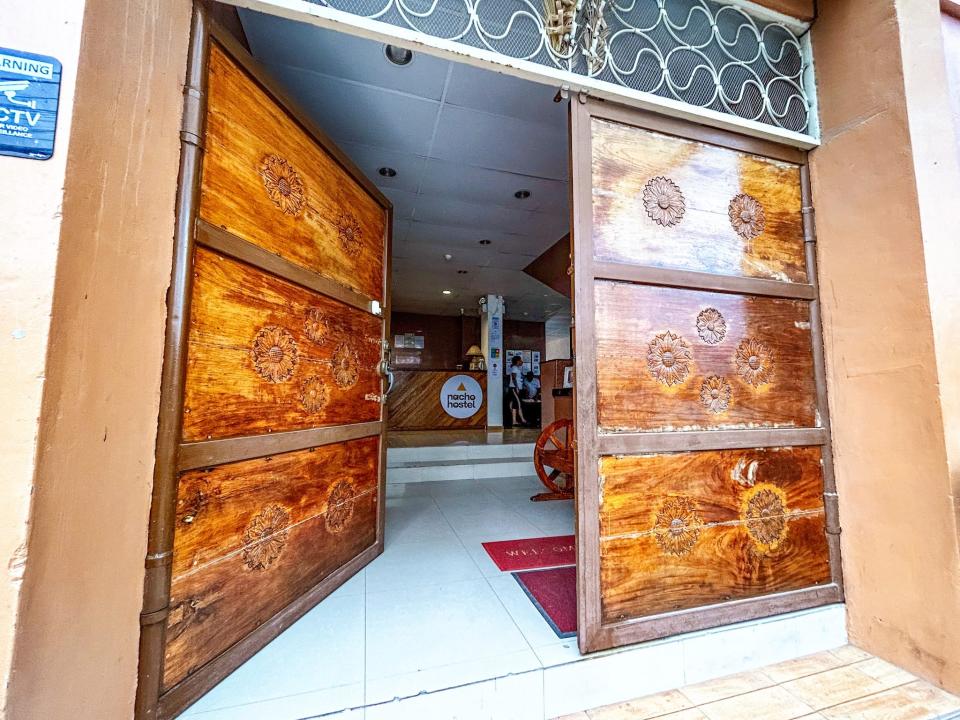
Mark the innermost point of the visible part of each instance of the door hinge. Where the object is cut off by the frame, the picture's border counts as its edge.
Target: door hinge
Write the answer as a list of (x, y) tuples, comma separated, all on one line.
[(809, 232)]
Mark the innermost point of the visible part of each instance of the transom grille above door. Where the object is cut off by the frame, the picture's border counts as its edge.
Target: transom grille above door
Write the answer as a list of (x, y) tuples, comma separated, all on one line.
[(704, 474), (699, 52)]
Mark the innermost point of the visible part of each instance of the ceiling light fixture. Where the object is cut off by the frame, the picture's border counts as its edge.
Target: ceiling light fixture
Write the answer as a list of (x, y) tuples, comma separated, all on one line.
[(521, 194), (461, 272), (447, 292), (387, 171), (398, 55), (484, 242)]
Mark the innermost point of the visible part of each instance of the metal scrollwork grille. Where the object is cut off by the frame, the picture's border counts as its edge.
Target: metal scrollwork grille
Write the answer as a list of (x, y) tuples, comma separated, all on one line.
[(698, 52)]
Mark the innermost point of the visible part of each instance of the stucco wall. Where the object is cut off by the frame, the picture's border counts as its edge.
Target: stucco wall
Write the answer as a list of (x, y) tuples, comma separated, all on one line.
[(881, 236), (30, 207), (75, 654), (951, 47)]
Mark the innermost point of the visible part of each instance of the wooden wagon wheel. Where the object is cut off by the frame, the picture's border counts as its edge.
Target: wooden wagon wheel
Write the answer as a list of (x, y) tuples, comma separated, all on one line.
[(554, 449)]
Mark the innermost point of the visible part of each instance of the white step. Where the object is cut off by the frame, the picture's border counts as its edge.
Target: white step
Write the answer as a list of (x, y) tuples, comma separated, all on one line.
[(399, 456), (465, 462)]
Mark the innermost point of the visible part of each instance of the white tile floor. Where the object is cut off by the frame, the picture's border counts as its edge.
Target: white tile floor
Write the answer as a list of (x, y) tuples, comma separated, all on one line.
[(432, 612), (434, 624)]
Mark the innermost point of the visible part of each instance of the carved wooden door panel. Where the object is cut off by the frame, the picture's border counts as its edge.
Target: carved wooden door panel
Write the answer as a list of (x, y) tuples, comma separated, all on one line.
[(274, 425), (704, 486)]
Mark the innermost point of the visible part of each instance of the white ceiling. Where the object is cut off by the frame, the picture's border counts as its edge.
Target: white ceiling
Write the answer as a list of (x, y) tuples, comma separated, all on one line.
[(462, 140)]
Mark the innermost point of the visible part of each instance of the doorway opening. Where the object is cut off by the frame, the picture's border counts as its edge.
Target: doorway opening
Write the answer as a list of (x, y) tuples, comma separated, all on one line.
[(477, 579), (358, 500)]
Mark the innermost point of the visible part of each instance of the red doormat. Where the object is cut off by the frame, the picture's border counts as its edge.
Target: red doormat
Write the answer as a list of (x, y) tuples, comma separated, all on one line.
[(554, 593), (530, 553)]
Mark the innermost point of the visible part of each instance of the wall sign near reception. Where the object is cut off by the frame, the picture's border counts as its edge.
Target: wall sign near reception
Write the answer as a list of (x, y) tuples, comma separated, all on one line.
[(461, 396), (29, 96)]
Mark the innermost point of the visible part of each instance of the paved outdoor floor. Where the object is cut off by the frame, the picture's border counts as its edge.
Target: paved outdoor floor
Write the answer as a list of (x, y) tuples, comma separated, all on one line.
[(841, 684)]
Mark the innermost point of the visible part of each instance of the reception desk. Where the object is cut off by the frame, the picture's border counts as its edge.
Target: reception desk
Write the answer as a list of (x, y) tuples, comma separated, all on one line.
[(437, 400)]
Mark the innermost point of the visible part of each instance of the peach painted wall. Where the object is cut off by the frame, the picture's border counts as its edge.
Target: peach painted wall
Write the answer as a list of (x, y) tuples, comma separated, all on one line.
[(102, 247), (30, 205), (882, 186)]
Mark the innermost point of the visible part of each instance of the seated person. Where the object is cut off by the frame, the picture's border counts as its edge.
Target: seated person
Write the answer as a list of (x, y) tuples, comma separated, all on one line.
[(531, 386), (531, 398)]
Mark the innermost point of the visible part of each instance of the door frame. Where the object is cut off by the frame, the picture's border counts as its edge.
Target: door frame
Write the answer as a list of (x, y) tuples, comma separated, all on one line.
[(173, 456), (593, 635)]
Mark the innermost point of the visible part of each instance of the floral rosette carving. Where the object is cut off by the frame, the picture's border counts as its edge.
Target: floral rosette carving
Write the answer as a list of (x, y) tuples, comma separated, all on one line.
[(711, 326), (283, 184), (340, 507), (346, 366), (747, 216), (349, 233), (715, 394), (664, 201), (677, 526), (763, 511), (668, 358), (315, 325), (313, 394), (275, 354), (265, 537), (754, 362)]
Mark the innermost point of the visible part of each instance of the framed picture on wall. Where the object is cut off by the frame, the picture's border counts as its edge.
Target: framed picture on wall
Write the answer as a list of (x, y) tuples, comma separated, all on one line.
[(523, 354), (568, 376)]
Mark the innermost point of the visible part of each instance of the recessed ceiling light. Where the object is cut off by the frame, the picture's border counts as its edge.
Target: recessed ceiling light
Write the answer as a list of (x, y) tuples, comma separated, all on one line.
[(484, 242), (447, 257), (521, 194), (387, 171), (447, 292), (398, 55)]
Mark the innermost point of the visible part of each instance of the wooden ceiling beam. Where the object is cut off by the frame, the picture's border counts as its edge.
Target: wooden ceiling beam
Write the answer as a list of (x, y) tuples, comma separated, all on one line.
[(552, 267)]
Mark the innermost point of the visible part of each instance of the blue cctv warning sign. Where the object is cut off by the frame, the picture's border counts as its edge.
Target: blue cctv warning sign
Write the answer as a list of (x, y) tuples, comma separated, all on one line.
[(29, 96)]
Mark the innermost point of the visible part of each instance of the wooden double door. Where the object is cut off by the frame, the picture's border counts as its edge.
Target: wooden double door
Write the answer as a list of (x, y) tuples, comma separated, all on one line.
[(268, 490), (704, 488), (704, 478)]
